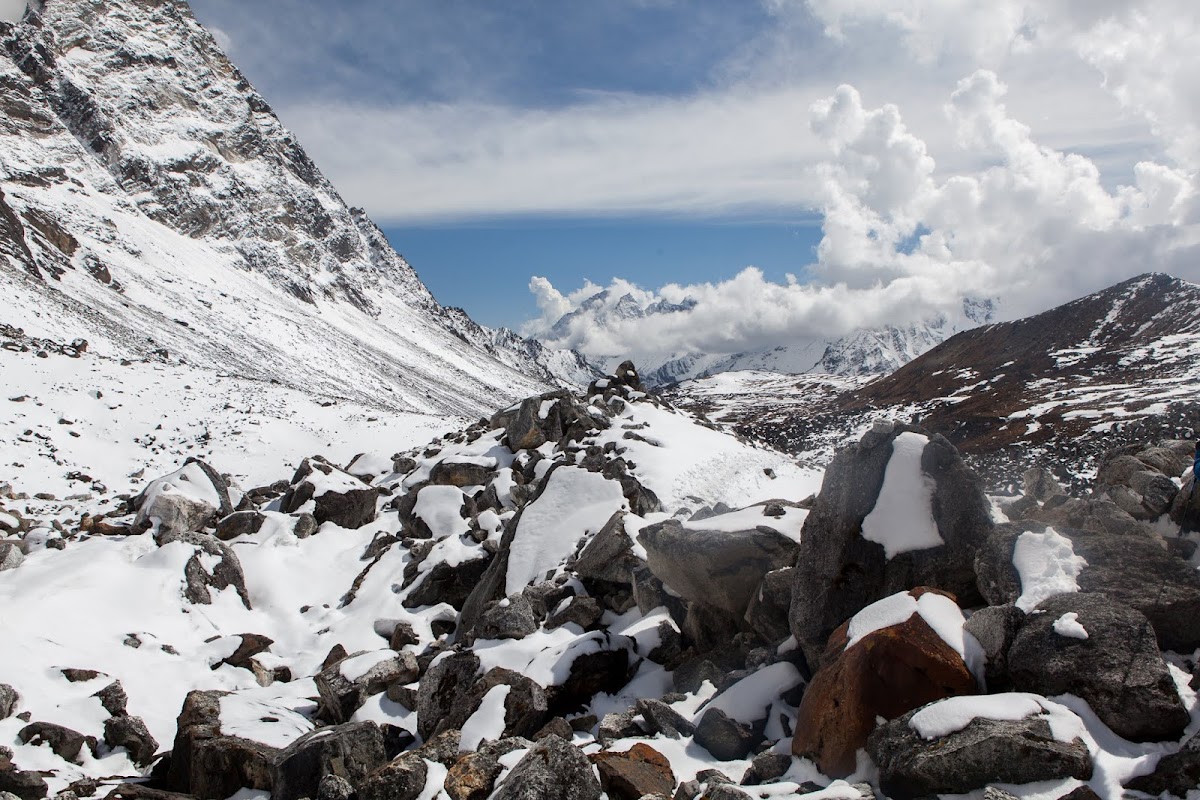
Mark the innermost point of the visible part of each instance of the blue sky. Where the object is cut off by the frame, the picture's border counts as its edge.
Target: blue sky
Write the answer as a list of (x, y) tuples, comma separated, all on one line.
[(893, 157)]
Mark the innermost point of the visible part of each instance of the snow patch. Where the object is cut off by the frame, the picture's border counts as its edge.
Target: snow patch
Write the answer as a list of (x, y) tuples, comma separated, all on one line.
[(1068, 625), (902, 519), (1047, 565)]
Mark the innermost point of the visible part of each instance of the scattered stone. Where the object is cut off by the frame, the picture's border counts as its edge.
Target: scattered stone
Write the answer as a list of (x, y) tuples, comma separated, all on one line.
[(403, 778), (402, 636), (551, 770), (618, 725), (132, 734), (346, 685), (335, 787), (724, 737), (66, 743), (472, 777), (583, 611), (639, 771), (767, 767), (1176, 773), (508, 618), (336, 496), (240, 523), (8, 700), (663, 719)]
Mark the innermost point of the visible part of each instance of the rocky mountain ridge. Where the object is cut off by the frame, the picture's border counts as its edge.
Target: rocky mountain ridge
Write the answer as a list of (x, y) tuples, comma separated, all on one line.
[(151, 202)]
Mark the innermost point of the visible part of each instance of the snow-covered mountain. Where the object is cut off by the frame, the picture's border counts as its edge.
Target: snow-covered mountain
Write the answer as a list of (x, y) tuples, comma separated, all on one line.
[(152, 204), (866, 352)]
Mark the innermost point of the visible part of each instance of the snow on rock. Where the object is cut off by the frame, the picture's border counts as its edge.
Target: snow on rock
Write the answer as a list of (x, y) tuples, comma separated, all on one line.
[(260, 721), (955, 713), (574, 504), (902, 519), (440, 507), (1068, 625), (1047, 565), (488, 720), (938, 611)]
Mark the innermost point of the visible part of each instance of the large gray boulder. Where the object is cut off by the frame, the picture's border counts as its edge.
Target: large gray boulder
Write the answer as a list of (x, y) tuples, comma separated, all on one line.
[(1132, 568), (839, 571), (10, 555), (551, 770), (983, 752), (346, 685), (1176, 773), (449, 678), (190, 498), (210, 765), (330, 495), (1117, 668), (352, 751), (609, 555), (400, 779), (723, 569)]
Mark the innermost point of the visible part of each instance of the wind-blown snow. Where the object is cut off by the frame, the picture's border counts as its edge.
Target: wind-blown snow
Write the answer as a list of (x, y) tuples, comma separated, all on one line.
[(441, 509), (902, 519), (574, 503), (1069, 625), (1047, 565), (955, 713), (488, 720), (939, 612)]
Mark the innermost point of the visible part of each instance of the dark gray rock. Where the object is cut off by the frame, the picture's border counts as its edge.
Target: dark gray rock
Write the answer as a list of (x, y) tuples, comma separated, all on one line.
[(551, 770), (509, 618), (985, 751), (719, 568), (335, 787), (724, 791), (995, 627), (348, 507), (460, 474), (618, 725), (444, 683), (725, 737), (609, 555), (342, 696), (768, 613), (766, 768), (240, 523), (1133, 569), (132, 734), (583, 611), (200, 574), (403, 778), (445, 583), (66, 743), (1176, 773), (11, 556), (663, 719), (838, 572), (113, 698), (1117, 669), (25, 784), (472, 777), (352, 751), (526, 707), (209, 765), (1040, 485)]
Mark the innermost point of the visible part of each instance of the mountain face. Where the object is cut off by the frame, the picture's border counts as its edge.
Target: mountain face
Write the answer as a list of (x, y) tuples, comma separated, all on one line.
[(866, 352), (153, 204), (1109, 369)]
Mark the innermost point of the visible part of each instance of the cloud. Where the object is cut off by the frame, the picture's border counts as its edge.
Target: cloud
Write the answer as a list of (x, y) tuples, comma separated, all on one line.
[(902, 243), (12, 10)]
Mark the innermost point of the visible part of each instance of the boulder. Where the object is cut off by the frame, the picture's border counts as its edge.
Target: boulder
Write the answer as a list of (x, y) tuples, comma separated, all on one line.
[(608, 556), (582, 611), (639, 771), (932, 518), (448, 583), (725, 737), (10, 555), (445, 682), (335, 787), (472, 777), (982, 752), (525, 705), (618, 725), (212, 566), (1091, 514), (403, 778), (886, 673), (25, 784), (995, 628), (240, 523), (190, 498), (352, 751), (767, 767), (1091, 646), (210, 765), (1133, 569), (132, 734), (66, 743), (768, 614), (8, 700), (1040, 485), (461, 473), (330, 495), (551, 770), (508, 618), (722, 569), (346, 685), (663, 719), (251, 645), (1175, 773)]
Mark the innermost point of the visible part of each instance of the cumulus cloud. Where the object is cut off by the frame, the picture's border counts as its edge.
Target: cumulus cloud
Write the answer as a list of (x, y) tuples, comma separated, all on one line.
[(902, 243)]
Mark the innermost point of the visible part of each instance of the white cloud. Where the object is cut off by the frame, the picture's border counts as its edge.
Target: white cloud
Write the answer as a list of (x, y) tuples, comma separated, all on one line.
[(902, 243), (12, 10)]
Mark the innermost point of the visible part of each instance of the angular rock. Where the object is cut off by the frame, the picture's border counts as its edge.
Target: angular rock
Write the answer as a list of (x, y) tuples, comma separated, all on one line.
[(212, 566), (995, 628), (1117, 669), (551, 770), (66, 743), (663, 719), (770, 607), (766, 768), (508, 618), (1133, 569), (618, 725), (25, 784), (403, 778), (460, 474), (335, 787), (113, 698), (240, 523), (885, 674), (985, 751), (352, 751), (609, 555), (472, 777), (1176, 773), (639, 771), (8, 700), (346, 685), (583, 611), (525, 706), (1040, 485), (210, 765), (722, 569), (725, 737), (444, 683), (132, 734), (193, 497), (445, 583), (839, 572), (11, 556), (337, 496)]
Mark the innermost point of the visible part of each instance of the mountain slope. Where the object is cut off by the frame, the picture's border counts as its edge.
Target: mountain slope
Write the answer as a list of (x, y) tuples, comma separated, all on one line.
[(151, 201)]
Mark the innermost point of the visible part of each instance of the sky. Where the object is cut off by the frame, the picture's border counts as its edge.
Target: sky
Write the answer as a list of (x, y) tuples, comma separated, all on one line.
[(794, 168)]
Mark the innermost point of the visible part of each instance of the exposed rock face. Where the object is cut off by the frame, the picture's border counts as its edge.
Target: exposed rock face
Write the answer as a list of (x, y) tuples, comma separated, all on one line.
[(132, 734), (887, 673), (400, 779), (212, 766), (191, 498), (1133, 569), (640, 771), (551, 770), (1117, 668), (718, 568), (212, 566), (336, 495), (352, 751), (1176, 773), (985, 751), (1139, 479), (609, 555), (853, 571), (995, 628), (444, 683), (346, 685)]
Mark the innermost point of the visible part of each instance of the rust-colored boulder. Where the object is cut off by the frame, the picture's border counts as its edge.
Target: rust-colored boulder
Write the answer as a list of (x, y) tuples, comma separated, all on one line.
[(885, 674), (640, 771)]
